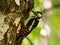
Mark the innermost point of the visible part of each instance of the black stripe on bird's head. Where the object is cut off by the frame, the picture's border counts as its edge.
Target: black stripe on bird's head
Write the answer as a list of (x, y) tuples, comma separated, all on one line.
[(37, 13)]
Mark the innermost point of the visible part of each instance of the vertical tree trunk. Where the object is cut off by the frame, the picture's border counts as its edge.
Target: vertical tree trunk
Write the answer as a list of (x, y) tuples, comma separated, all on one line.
[(12, 21)]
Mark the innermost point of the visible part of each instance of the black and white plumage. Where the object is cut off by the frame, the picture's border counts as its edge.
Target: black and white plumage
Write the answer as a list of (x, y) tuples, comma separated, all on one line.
[(31, 23)]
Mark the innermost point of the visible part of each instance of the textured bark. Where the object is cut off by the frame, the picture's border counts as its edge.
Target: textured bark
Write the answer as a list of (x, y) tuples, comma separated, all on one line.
[(12, 21)]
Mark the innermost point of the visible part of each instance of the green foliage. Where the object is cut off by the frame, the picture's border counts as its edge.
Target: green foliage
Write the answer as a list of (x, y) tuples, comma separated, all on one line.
[(55, 26), (54, 2), (38, 5)]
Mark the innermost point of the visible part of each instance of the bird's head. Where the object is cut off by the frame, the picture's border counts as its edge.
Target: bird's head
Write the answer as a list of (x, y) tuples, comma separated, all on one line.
[(38, 14)]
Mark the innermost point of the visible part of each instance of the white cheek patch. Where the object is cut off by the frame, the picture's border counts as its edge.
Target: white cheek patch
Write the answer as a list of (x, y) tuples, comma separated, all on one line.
[(17, 2), (39, 15)]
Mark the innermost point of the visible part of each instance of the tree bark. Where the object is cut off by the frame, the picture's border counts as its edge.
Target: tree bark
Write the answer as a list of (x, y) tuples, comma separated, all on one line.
[(13, 19)]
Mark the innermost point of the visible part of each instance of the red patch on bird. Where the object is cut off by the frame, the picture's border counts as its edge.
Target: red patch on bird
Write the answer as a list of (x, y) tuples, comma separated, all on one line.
[(22, 29)]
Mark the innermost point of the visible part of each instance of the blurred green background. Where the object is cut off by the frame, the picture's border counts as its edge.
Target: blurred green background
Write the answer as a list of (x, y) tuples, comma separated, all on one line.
[(54, 23)]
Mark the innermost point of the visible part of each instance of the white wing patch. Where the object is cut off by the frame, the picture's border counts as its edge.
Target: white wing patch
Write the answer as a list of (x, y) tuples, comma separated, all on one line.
[(27, 20), (31, 25)]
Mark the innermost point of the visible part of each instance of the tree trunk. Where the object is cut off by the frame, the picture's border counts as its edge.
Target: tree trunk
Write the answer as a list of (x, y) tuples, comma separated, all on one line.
[(11, 23)]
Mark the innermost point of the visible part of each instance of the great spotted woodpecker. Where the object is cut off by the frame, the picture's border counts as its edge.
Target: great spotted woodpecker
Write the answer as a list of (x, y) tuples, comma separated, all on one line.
[(30, 24)]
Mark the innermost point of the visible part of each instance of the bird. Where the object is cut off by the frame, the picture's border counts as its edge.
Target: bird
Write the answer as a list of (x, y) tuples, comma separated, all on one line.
[(30, 24)]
